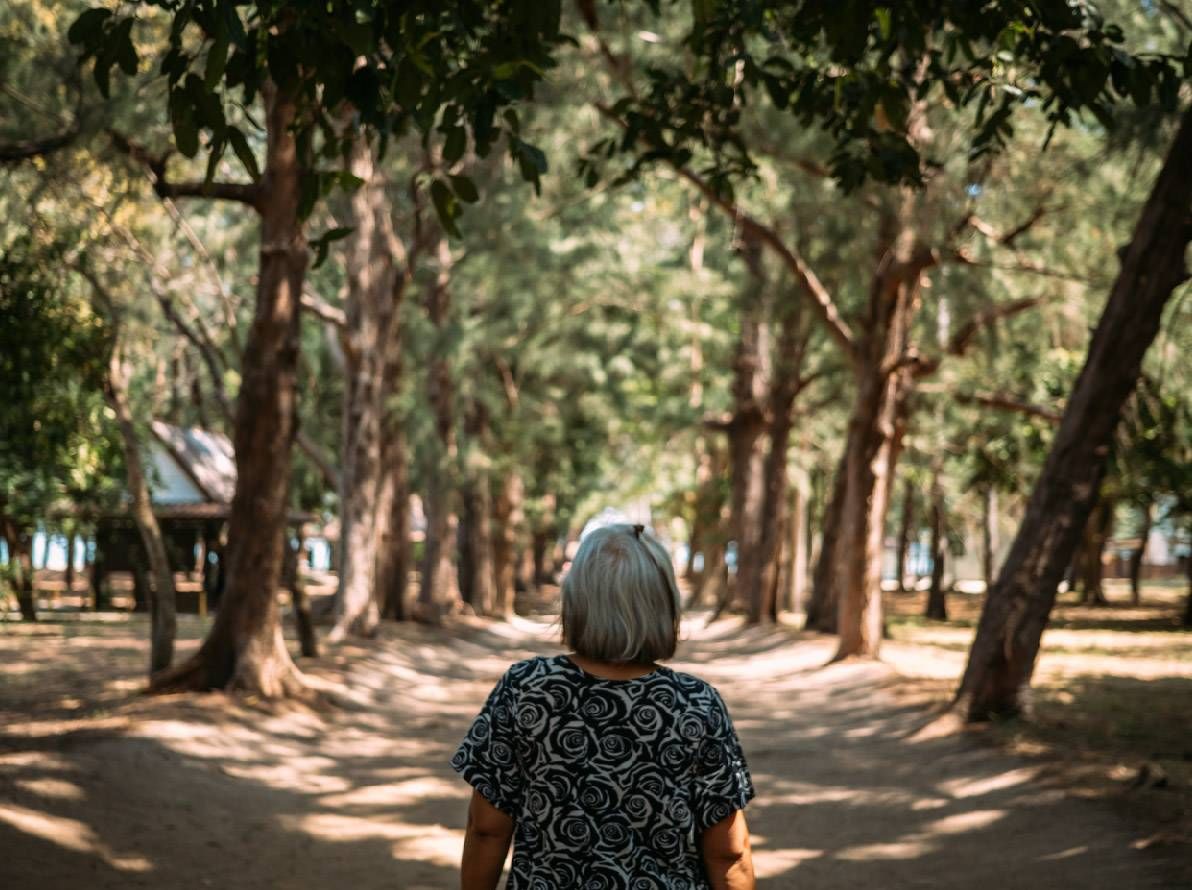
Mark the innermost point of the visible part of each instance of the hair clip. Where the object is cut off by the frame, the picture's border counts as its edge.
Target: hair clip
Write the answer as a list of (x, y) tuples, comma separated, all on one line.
[(638, 529)]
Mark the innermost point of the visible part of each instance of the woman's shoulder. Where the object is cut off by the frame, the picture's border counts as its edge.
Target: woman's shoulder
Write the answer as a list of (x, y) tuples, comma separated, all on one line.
[(528, 669)]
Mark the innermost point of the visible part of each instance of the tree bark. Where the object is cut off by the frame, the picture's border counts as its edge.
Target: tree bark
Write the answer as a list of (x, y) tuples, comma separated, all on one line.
[(937, 601), (1002, 658), (906, 523), (375, 283), (1139, 554), (163, 619), (245, 649)]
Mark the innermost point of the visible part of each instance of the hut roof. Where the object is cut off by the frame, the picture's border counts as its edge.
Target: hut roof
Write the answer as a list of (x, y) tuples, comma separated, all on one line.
[(193, 465)]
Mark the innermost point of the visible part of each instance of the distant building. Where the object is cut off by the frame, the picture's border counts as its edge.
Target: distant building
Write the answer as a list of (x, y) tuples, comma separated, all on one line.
[(192, 478)]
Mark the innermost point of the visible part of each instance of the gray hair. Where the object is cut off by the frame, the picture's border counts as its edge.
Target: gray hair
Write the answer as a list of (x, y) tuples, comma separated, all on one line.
[(620, 598)]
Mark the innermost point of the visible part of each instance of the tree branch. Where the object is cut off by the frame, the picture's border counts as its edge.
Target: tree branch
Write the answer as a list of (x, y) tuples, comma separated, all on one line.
[(320, 308), (1006, 403), (321, 461), (963, 338), (809, 285), (14, 152), (240, 192)]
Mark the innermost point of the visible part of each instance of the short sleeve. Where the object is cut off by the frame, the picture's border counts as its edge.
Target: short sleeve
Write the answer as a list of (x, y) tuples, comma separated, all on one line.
[(487, 757), (722, 781)]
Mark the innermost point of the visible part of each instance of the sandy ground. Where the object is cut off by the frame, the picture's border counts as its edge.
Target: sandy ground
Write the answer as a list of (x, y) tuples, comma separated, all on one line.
[(101, 787)]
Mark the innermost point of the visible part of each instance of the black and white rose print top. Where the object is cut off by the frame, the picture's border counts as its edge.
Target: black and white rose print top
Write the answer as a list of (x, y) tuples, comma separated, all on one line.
[(609, 782)]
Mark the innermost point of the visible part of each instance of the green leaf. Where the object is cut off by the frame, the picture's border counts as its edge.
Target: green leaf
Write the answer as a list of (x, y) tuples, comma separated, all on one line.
[(217, 61), (455, 144), (88, 26), (446, 206), (244, 152), (464, 189), (884, 21), (321, 244)]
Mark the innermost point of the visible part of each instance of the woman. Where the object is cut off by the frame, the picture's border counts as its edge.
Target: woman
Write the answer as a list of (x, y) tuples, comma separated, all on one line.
[(605, 769)]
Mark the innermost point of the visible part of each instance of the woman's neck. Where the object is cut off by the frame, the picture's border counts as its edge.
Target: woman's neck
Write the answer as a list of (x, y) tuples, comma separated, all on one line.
[(612, 670)]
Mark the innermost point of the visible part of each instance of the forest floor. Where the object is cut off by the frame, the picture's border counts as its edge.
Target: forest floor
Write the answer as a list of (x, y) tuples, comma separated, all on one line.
[(101, 786)]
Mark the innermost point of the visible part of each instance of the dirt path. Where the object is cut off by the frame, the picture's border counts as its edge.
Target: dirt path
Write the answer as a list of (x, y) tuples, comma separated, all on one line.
[(100, 789)]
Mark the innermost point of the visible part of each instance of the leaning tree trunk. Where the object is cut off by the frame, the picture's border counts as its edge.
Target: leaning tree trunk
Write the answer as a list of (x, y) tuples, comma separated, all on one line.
[(245, 649), (1139, 554), (163, 619), (937, 601), (375, 285), (1002, 658)]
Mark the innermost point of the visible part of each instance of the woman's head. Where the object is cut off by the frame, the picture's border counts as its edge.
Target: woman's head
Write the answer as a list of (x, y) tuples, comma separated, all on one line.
[(620, 599)]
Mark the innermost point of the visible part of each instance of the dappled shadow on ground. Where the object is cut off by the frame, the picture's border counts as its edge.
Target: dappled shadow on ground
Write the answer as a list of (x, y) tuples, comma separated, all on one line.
[(205, 791)]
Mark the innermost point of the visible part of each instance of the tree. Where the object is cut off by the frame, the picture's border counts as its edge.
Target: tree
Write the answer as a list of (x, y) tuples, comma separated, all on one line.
[(300, 61), (866, 77), (55, 443), (1016, 609)]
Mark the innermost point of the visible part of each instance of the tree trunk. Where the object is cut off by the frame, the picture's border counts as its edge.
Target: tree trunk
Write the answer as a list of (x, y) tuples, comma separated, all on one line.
[(710, 508), (440, 588), (478, 509), (937, 602), (1139, 554), (1090, 559), (746, 442), (507, 516), (1016, 611), (245, 649), (375, 284), (762, 596), (874, 437), (797, 590), (69, 579), (906, 523), (162, 598), (394, 554), (822, 609), (989, 542), (308, 639), (20, 555)]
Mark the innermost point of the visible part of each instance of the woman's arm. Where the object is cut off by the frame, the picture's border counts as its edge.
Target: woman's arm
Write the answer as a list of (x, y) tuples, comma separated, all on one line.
[(726, 853), (486, 844)]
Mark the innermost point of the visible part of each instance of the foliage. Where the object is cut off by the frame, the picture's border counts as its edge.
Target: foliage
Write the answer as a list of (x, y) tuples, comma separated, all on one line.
[(858, 69), (56, 446)]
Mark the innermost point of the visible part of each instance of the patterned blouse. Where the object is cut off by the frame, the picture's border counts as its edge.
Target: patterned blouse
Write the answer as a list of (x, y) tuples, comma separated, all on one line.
[(609, 782)]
